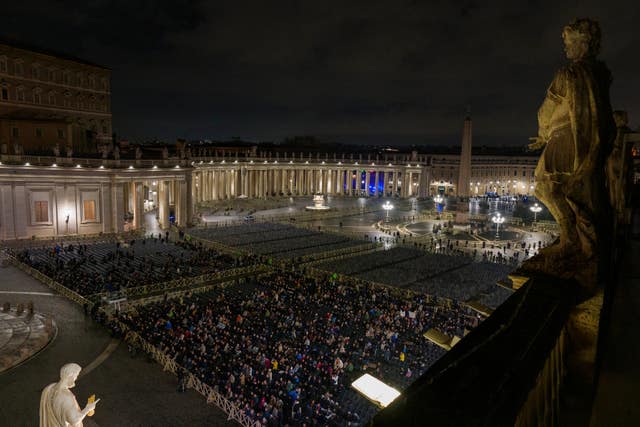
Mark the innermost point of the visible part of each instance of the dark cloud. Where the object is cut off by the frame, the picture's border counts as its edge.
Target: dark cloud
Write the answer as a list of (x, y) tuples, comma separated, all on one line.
[(358, 71)]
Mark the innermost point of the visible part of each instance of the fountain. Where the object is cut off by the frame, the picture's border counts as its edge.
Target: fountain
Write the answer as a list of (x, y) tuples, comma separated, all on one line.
[(318, 204)]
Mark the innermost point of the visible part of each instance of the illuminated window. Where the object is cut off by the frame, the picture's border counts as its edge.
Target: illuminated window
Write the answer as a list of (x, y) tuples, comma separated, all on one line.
[(89, 210), (41, 211)]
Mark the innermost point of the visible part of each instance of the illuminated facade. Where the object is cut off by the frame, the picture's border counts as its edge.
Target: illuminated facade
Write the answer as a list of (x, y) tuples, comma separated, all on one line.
[(490, 174), (53, 106), (51, 103), (46, 196)]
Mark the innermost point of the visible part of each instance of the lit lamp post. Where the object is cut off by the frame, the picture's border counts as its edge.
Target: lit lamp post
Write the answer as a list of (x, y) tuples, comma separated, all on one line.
[(387, 207), (497, 220), (535, 209)]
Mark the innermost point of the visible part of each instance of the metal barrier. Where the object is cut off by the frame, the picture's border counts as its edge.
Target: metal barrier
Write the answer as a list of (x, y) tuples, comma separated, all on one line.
[(188, 282), (73, 296), (169, 364)]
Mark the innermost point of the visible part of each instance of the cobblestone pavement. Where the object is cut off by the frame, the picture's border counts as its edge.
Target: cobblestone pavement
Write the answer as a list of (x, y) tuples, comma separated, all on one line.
[(134, 392)]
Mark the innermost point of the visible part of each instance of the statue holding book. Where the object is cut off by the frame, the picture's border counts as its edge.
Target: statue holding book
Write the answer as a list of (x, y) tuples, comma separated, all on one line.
[(58, 405)]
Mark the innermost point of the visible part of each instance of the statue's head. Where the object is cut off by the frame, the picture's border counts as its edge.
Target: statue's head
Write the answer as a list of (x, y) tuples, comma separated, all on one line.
[(581, 39), (69, 373)]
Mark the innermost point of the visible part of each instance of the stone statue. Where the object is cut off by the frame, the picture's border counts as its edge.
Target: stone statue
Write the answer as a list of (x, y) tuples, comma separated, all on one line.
[(69, 151), (576, 129), (165, 152), (620, 170), (56, 150), (138, 152), (58, 406), (116, 152)]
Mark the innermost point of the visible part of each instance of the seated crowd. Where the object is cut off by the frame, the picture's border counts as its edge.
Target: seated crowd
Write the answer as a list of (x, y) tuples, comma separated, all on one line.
[(286, 347), (107, 267)]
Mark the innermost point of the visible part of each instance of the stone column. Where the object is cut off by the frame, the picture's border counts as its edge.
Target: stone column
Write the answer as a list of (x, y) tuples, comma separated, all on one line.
[(367, 180), (214, 185), (117, 206), (396, 178), (202, 187), (298, 182), (377, 183), (186, 189), (178, 200), (138, 205), (163, 204), (344, 181)]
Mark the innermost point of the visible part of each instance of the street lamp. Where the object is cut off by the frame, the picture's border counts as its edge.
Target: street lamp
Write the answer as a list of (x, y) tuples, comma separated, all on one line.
[(535, 209), (497, 219), (387, 207)]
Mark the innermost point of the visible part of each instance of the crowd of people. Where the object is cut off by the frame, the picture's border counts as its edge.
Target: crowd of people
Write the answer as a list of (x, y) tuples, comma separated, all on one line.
[(286, 348), (108, 267)]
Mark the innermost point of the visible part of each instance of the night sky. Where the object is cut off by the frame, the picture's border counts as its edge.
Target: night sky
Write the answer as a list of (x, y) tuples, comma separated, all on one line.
[(369, 72)]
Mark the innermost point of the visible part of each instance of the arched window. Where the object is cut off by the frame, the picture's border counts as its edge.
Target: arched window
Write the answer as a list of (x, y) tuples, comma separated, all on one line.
[(67, 100), (37, 95), (18, 67), (35, 70), (20, 93)]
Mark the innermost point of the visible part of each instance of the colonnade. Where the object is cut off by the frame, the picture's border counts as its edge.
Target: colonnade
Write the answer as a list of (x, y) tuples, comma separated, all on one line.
[(257, 181), (164, 193)]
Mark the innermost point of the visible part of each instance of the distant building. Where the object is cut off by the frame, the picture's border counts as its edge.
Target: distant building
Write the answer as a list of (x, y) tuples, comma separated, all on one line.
[(49, 100)]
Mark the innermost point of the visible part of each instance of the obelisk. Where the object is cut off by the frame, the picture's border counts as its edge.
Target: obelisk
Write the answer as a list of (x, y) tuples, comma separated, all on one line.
[(464, 175)]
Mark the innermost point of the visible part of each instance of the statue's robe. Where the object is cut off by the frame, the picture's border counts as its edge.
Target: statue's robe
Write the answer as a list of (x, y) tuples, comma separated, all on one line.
[(57, 405), (576, 122)]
